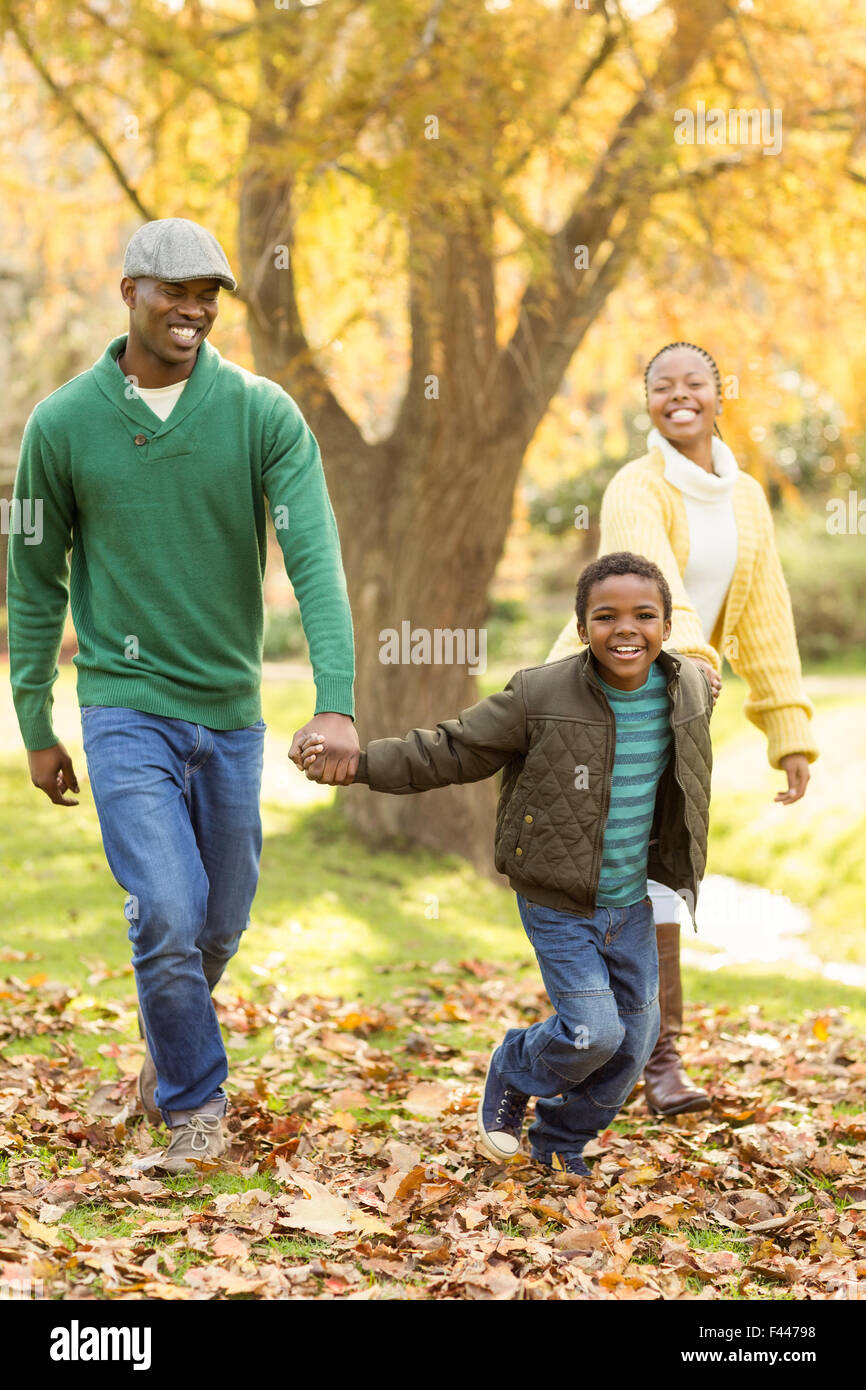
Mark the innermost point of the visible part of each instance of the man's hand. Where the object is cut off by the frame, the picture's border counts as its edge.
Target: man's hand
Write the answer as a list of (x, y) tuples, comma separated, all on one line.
[(313, 753), (796, 767), (712, 674), (52, 772), (341, 750)]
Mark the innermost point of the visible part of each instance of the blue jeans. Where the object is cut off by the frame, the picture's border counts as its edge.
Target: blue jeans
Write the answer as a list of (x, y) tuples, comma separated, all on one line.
[(178, 807), (601, 975)]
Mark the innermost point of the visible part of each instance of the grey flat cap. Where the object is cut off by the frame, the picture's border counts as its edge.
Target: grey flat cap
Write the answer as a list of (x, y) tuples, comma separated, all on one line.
[(173, 248)]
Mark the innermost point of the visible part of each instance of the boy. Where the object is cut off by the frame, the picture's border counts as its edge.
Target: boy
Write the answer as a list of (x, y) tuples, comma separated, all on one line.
[(607, 777)]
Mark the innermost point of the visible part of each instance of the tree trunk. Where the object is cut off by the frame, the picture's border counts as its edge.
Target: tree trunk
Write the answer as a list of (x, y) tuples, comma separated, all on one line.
[(423, 515), (420, 569)]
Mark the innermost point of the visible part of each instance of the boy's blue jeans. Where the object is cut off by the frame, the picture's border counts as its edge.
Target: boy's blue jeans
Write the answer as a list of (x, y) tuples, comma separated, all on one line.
[(601, 974), (178, 806)]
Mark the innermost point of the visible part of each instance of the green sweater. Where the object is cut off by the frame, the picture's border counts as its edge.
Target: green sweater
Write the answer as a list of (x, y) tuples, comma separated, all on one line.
[(166, 525)]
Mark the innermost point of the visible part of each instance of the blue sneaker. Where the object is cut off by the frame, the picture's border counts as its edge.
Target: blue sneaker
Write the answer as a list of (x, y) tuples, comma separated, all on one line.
[(566, 1163), (501, 1111)]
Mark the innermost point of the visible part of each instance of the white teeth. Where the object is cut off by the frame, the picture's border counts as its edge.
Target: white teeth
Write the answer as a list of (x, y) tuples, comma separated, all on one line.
[(683, 414), (187, 333)]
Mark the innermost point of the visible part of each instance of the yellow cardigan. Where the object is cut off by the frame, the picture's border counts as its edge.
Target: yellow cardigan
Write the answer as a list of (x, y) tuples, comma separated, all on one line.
[(644, 513)]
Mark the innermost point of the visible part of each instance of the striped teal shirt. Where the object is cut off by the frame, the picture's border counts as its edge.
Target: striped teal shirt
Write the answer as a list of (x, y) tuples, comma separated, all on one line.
[(643, 747)]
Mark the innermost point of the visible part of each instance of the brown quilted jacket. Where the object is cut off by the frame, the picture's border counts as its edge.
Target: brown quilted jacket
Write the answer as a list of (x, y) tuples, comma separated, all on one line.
[(553, 732)]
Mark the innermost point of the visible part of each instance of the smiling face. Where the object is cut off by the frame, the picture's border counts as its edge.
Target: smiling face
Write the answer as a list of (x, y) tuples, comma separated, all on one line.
[(625, 627), (682, 396), (169, 321)]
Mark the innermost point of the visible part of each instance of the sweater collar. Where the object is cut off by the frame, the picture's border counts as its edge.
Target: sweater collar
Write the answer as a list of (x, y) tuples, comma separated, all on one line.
[(692, 480), (113, 384)]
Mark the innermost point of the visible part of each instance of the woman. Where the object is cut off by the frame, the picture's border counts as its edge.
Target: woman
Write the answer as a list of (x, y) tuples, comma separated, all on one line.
[(708, 526)]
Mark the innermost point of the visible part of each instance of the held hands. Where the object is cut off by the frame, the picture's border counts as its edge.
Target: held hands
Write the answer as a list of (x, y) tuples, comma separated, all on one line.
[(52, 772), (327, 750), (311, 749), (313, 756)]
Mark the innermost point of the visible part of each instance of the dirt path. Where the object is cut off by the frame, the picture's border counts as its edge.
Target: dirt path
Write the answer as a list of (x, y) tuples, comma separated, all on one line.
[(751, 925)]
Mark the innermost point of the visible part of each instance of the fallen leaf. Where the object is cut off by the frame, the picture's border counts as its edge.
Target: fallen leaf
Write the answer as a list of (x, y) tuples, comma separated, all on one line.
[(228, 1245), (369, 1225), (319, 1211), (576, 1239), (428, 1098), (35, 1230)]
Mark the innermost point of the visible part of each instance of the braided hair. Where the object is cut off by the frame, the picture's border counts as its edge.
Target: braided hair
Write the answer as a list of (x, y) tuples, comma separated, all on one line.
[(702, 352)]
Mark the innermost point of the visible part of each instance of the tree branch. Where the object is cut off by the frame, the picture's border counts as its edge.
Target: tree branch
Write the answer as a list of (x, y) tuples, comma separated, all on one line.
[(627, 29), (280, 344), (428, 36), (598, 59), (752, 61), (83, 121), (551, 309), (174, 60)]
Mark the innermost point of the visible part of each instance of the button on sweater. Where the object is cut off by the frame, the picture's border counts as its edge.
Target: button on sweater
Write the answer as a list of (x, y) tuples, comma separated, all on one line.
[(154, 531)]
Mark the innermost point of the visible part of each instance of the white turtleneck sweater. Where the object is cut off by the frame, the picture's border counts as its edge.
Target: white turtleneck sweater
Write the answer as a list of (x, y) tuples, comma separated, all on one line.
[(712, 525)]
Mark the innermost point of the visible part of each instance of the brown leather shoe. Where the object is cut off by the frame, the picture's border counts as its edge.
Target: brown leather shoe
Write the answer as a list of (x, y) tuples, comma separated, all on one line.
[(667, 1089), (147, 1080)]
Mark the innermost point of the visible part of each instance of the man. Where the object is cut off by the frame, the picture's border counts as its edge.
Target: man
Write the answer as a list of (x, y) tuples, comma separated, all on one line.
[(153, 469)]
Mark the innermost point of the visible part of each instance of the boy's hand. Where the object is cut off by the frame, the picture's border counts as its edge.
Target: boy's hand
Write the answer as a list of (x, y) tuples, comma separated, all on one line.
[(310, 748), (52, 772), (796, 768), (336, 763)]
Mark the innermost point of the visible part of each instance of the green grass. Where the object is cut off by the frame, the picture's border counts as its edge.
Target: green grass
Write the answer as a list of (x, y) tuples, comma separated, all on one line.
[(342, 916), (708, 1238), (101, 1221), (220, 1183), (812, 852), (346, 921), (782, 996), (699, 1238), (297, 1247)]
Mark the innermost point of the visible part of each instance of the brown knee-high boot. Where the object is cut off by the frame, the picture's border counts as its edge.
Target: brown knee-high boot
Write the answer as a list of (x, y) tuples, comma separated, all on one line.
[(667, 1088)]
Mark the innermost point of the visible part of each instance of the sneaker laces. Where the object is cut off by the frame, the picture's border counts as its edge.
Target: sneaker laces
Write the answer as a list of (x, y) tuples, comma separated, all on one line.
[(200, 1129), (512, 1107)]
